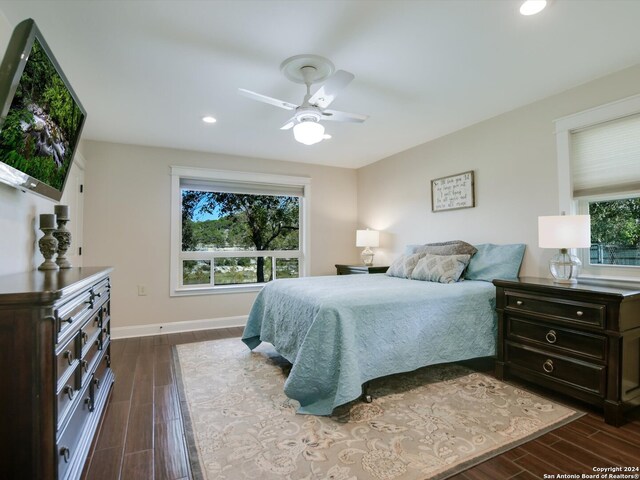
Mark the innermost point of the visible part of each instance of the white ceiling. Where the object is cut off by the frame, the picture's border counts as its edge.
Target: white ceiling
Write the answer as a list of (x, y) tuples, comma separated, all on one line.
[(147, 71)]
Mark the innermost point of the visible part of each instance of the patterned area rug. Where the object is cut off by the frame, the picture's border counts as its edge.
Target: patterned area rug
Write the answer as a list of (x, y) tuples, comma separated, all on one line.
[(431, 423)]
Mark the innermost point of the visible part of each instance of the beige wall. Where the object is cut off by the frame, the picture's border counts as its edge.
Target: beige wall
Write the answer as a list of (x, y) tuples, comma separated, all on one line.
[(514, 159), (127, 222)]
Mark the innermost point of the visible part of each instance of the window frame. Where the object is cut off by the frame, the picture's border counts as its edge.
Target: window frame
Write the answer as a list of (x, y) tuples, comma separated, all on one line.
[(564, 127), (179, 173)]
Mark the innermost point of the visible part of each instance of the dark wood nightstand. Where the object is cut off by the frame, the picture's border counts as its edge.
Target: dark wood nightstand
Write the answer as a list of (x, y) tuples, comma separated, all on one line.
[(582, 340), (356, 269)]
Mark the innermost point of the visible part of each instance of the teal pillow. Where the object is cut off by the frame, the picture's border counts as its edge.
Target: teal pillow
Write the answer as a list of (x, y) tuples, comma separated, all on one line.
[(495, 261)]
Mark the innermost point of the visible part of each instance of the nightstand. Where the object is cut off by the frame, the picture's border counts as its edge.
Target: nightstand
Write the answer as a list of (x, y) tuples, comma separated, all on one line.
[(582, 340), (356, 269)]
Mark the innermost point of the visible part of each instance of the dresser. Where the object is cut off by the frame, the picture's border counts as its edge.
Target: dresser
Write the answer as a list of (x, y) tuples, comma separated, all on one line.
[(582, 340), (356, 269), (56, 375)]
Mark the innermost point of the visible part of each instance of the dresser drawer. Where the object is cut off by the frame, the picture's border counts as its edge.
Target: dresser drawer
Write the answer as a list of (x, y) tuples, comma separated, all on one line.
[(574, 373), (65, 399), (66, 362), (68, 441), (562, 339), (100, 375), (89, 332), (69, 313), (104, 312), (100, 291), (89, 359), (105, 334), (569, 311)]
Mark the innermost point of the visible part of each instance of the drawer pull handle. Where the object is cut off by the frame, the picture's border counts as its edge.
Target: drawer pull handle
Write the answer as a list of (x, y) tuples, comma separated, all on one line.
[(65, 453), (85, 366), (551, 336), (96, 382), (89, 403), (519, 302), (69, 391), (69, 356), (579, 313), (108, 359), (84, 338), (548, 366), (67, 320)]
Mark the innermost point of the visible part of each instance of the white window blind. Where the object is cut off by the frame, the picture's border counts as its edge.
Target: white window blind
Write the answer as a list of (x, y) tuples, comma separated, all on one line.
[(605, 159), (242, 187)]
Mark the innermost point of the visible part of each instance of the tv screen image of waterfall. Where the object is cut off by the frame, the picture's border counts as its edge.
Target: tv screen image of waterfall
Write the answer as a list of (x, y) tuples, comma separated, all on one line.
[(41, 129)]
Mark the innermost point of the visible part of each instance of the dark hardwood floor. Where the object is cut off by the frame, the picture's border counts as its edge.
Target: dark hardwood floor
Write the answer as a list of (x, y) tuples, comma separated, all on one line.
[(141, 436)]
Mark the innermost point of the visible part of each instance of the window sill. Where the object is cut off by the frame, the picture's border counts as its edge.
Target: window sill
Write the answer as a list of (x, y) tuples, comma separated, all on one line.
[(622, 281), (220, 289)]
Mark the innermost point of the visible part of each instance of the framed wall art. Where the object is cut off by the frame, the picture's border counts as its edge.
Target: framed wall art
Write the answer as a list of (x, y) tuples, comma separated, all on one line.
[(453, 192)]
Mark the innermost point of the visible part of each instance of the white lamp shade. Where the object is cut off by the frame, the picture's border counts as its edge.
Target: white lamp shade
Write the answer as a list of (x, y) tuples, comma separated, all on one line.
[(308, 132), (367, 238), (564, 231)]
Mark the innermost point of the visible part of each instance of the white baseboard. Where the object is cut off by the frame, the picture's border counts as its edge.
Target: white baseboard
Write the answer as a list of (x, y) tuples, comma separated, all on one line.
[(177, 327)]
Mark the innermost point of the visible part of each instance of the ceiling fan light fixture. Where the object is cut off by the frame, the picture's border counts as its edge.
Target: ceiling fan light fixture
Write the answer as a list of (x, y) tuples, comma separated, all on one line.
[(531, 7), (308, 132)]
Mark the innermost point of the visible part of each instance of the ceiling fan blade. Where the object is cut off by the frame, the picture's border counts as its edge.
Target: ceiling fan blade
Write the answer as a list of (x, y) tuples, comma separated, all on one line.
[(337, 116), (290, 123), (264, 99), (328, 92)]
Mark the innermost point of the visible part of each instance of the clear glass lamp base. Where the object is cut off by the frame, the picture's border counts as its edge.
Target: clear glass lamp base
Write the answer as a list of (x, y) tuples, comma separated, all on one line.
[(367, 257), (565, 267)]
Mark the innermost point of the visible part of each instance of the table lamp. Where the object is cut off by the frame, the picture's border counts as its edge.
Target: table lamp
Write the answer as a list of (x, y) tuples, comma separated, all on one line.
[(367, 238), (564, 232)]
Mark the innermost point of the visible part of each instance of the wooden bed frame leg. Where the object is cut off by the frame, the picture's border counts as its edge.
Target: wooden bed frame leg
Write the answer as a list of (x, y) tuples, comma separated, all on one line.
[(365, 397)]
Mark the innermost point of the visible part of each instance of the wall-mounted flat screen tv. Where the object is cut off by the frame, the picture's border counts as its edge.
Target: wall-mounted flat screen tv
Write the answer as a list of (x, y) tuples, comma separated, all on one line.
[(41, 117)]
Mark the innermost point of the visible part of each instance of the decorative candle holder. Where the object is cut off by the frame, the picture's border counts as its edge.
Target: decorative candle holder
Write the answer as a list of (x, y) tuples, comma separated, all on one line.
[(62, 235), (48, 243)]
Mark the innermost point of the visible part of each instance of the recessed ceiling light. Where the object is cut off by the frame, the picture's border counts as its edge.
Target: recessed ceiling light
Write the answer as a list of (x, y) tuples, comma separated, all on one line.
[(209, 119), (326, 136), (531, 7)]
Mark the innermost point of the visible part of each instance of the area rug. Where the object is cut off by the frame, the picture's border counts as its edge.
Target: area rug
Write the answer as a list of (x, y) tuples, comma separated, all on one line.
[(430, 423)]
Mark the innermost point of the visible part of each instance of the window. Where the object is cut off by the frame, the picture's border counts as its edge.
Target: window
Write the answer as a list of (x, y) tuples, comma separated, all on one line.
[(599, 173), (615, 231), (234, 231)]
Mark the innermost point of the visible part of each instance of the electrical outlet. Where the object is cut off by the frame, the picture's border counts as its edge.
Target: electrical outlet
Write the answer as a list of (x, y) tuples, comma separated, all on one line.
[(142, 290)]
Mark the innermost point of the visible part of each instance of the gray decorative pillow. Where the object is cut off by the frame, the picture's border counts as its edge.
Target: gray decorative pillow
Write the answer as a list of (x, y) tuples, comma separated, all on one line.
[(455, 247), (440, 268), (404, 265)]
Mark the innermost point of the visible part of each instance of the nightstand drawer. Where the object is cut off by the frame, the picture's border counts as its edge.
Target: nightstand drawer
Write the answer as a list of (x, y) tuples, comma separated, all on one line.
[(575, 312), (562, 339), (573, 373)]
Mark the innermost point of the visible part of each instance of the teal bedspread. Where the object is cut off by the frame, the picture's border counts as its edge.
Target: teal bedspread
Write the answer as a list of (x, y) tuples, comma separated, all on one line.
[(341, 331)]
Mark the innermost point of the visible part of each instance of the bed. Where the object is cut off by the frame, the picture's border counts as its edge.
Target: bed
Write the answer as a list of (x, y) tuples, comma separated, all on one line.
[(339, 332)]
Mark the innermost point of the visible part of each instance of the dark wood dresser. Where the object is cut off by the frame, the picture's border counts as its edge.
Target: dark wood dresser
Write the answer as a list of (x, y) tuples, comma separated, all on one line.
[(582, 340), (356, 269), (55, 376)]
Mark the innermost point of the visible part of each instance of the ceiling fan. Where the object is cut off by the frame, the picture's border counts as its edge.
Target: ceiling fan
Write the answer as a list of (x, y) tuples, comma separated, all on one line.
[(310, 69)]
